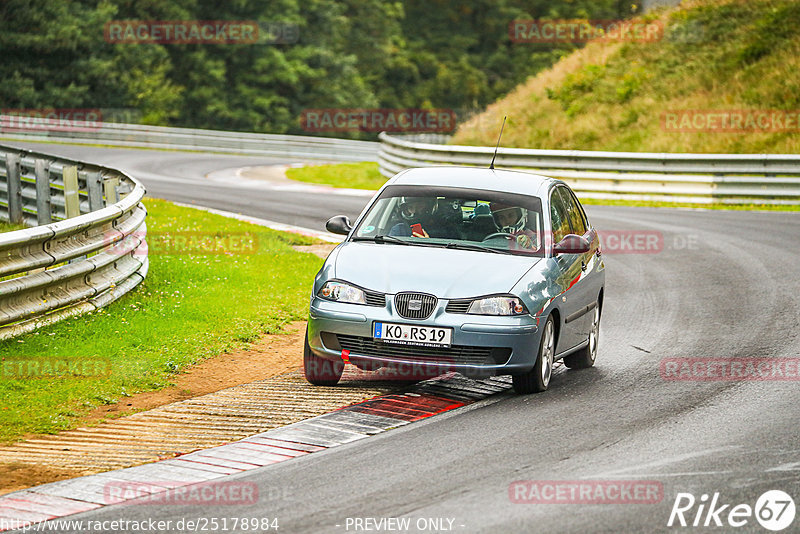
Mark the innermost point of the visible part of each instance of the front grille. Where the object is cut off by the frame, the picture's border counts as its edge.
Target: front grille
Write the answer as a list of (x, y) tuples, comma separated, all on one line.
[(415, 305), (375, 299), (458, 306), (456, 354)]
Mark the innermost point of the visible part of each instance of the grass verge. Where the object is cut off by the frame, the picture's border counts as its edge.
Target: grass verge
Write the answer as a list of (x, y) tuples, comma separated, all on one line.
[(8, 227), (189, 308), (362, 175)]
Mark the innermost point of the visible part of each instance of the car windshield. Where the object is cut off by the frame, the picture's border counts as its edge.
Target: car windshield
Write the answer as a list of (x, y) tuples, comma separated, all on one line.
[(471, 219)]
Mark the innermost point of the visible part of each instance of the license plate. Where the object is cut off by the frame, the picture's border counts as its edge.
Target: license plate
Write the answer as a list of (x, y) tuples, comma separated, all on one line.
[(405, 334)]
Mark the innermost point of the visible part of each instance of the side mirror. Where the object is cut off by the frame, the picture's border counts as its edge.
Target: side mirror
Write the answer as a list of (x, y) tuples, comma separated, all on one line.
[(572, 244), (339, 224)]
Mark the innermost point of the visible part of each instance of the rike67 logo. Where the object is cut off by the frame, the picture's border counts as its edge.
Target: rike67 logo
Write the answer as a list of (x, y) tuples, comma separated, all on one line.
[(774, 510)]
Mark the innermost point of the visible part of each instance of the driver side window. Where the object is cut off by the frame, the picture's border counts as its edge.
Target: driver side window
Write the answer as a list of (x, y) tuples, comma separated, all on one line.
[(575, 214), (558, 215)]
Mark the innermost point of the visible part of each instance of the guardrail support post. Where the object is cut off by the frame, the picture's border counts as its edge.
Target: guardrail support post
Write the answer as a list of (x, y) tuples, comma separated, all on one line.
[(14, 189), (94, 187), (72, 205), (110, 190), (44, 215)]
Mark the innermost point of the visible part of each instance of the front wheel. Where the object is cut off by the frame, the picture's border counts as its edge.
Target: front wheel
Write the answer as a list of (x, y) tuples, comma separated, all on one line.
[(319, 371), (585, 357), (537, 379)]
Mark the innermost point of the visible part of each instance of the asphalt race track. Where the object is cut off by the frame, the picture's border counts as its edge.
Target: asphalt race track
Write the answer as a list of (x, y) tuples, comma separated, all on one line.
[(181, 177), (723, 285)]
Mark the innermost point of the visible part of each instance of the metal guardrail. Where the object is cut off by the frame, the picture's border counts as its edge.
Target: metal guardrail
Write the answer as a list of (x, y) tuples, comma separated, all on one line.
[(142, 136), (696, 178), (87, 245)]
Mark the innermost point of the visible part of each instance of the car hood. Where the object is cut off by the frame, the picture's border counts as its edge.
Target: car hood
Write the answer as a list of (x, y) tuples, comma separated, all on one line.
[(445, 273)]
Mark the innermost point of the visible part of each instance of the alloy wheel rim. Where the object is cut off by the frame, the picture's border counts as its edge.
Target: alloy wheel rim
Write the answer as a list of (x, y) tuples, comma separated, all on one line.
[(547, 353), (594, 334)]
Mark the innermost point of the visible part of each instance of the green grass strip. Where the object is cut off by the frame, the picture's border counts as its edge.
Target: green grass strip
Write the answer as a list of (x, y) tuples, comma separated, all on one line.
[(189, 308), (363, 175)]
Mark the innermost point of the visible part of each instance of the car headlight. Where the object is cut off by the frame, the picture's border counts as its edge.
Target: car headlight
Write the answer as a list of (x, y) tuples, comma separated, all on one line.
[(497, 306), (342, 292)]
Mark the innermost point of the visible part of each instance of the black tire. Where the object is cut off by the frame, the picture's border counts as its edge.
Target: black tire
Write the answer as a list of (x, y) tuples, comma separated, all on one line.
[(538, 379), (319, 371), (584, 358)]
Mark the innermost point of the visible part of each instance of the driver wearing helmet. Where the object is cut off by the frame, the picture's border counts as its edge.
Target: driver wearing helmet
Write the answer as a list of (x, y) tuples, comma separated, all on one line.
[(417, 214), (512, 220)]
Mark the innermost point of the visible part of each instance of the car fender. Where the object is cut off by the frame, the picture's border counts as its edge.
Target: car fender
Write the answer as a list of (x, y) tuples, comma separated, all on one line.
[(538, 290)]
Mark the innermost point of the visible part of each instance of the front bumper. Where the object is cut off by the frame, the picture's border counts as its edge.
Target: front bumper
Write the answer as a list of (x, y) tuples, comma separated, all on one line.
[(481, 345)]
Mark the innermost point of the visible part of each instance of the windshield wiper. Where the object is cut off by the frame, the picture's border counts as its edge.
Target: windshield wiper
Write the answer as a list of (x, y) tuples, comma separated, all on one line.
[(383, 239), (479, 248)]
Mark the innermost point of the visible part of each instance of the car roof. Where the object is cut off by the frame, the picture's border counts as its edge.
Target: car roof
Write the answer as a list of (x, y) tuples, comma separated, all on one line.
[(476, 178)]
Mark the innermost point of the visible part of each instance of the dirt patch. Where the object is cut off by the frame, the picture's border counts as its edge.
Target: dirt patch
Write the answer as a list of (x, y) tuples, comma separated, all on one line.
[(269, 173), (19, 476), (320, 250), (270, 356)]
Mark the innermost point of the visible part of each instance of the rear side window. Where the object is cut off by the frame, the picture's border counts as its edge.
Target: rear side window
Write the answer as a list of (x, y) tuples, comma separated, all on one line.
[(559, 215)]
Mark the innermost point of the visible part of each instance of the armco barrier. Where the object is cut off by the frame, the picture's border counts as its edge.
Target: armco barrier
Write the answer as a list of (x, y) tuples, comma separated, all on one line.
[(86, 246), (141, 136), (697, 178)]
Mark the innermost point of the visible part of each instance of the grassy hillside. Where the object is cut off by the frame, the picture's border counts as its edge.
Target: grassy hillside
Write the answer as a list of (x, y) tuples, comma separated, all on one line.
[(715, 55)]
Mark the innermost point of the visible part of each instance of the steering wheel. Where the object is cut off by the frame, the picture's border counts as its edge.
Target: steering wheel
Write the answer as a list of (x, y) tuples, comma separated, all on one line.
[(509, 237)]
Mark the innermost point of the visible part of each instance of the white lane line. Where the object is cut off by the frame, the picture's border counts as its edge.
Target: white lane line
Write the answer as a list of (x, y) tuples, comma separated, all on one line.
[(149, 176), (324, 236), (657, 475), (229, 178), (233, 177), (793, 466), (667, 461)]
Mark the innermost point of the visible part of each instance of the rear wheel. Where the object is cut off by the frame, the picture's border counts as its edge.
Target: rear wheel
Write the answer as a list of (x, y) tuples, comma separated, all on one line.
[(538, 378), (319, 371), (585, 357)]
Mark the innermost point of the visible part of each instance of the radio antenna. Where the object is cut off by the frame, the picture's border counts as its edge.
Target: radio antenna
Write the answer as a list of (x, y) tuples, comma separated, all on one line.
[(491, 165)]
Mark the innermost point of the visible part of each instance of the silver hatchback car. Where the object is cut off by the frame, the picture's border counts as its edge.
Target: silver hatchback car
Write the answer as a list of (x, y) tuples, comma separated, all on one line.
[(484, 272)]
